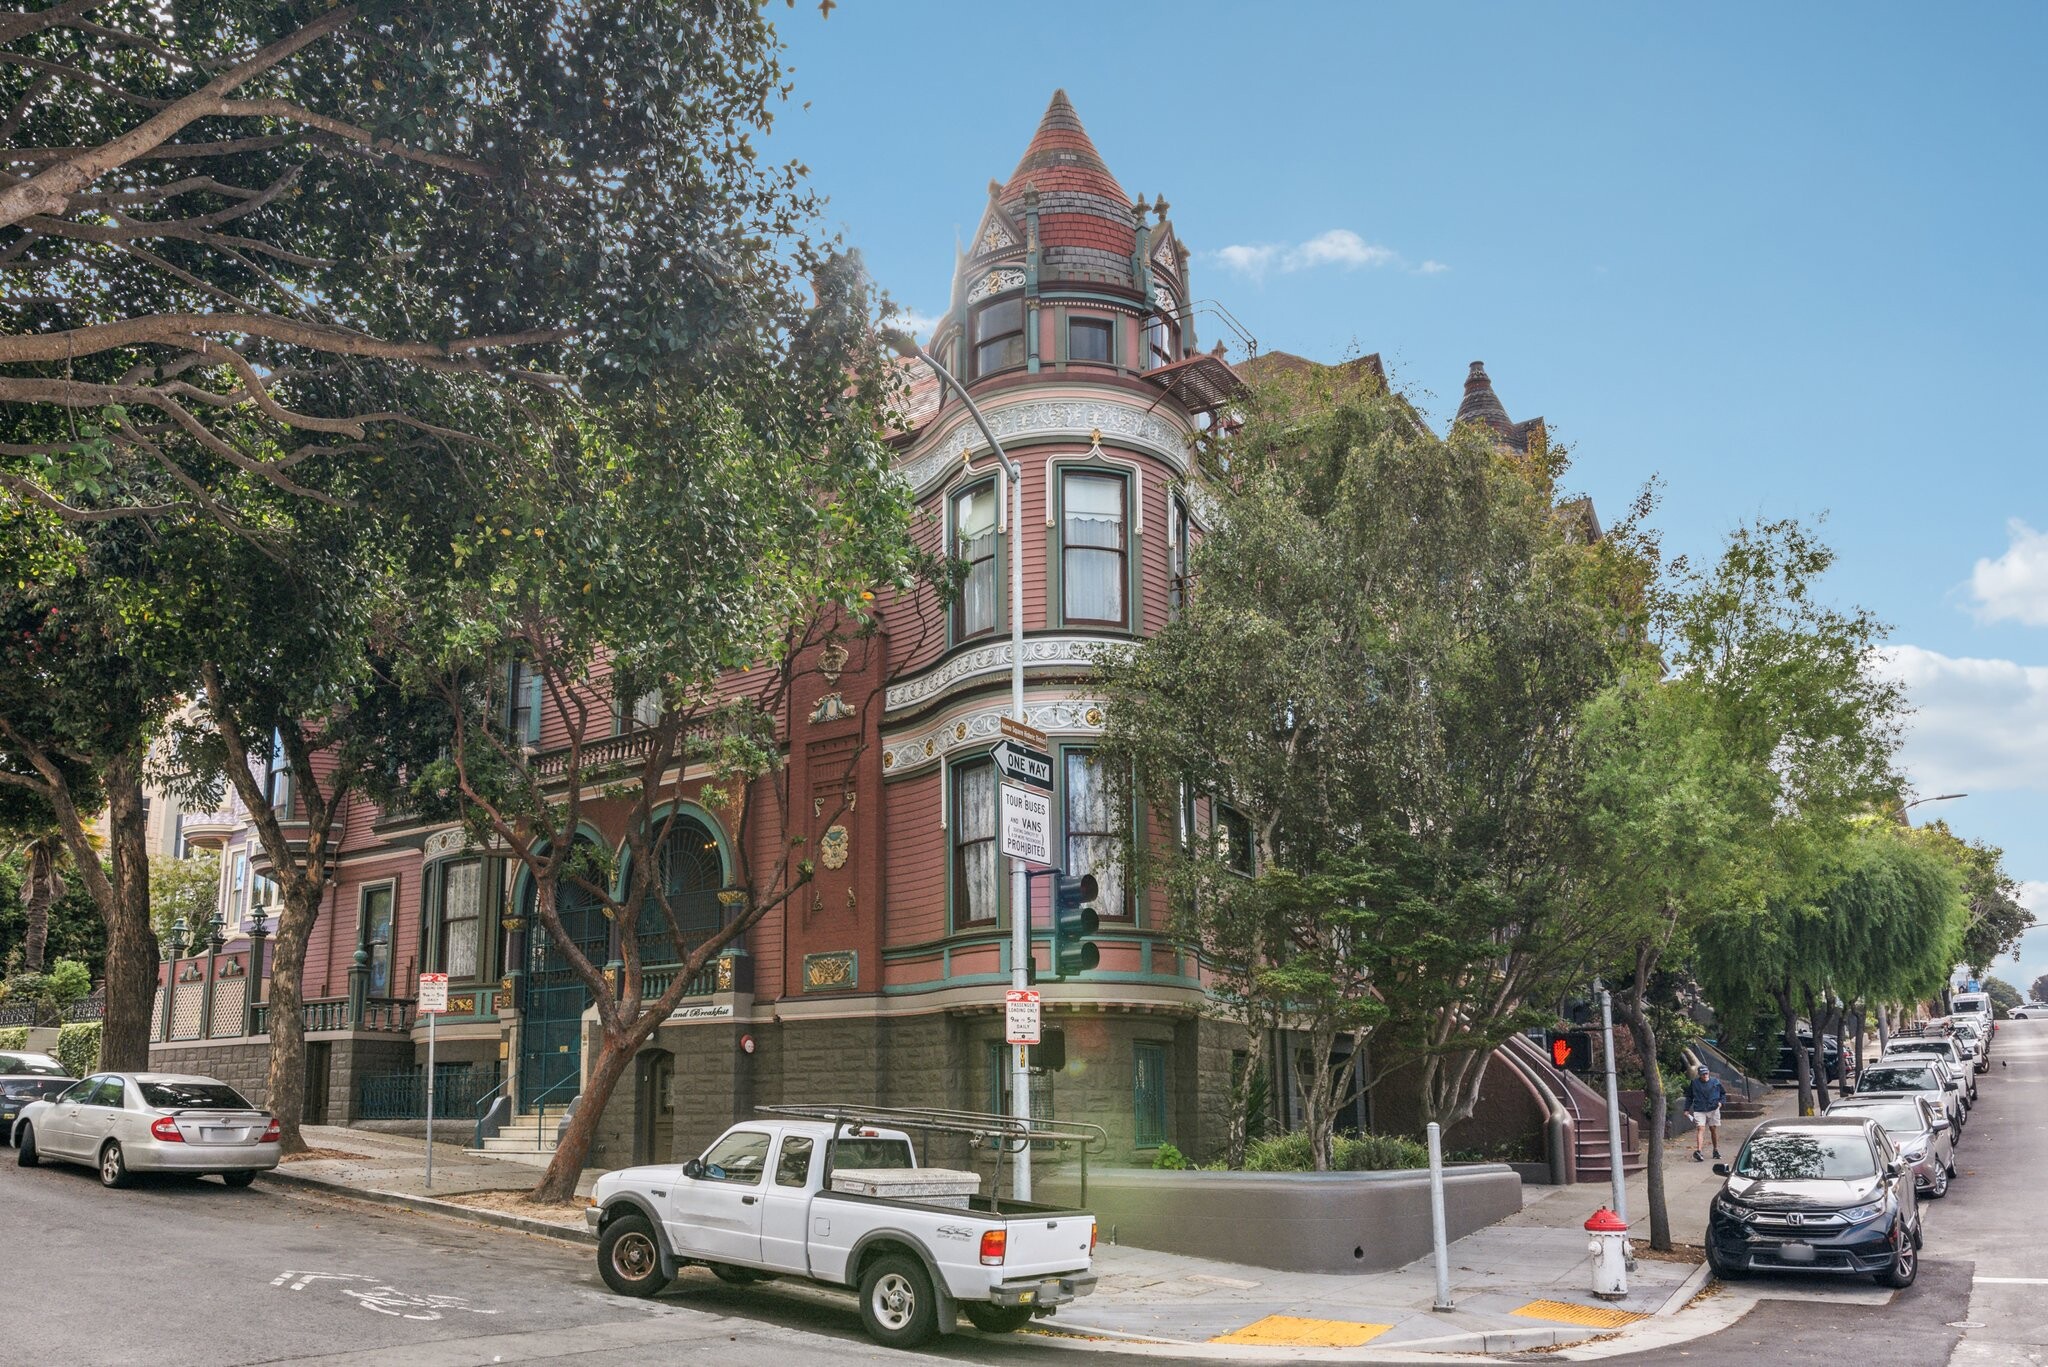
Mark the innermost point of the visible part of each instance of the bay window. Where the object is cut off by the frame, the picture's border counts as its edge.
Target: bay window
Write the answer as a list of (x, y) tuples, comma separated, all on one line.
[(974, 541), (976, 879), (999, 335), (461, 904), (1092, 570), (1094, 835), (1091, 339)]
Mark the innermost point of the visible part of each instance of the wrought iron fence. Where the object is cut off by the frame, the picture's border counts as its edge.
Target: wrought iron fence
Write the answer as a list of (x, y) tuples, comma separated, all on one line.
[(401, 1093), (90, 1008)]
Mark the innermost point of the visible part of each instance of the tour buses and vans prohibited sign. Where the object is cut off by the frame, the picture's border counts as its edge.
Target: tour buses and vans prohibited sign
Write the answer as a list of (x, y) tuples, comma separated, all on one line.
[(1024, 759)]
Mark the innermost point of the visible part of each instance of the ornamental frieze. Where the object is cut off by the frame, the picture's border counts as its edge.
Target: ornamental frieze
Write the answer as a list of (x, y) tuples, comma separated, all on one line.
[(1069, 716), (993, 658), (1125, 422)]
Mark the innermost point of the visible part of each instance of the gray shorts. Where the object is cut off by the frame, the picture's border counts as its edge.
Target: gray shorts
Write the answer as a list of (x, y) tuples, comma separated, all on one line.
[(1702, 1119)]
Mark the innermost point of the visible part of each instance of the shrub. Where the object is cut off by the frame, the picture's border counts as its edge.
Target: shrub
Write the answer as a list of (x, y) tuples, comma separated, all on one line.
[(14, 1038), (1348, 1153), (1171, 1158), (78, 1047)]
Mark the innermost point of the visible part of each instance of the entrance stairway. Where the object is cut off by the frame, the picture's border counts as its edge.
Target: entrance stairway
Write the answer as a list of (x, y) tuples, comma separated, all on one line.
[(525, 1136)]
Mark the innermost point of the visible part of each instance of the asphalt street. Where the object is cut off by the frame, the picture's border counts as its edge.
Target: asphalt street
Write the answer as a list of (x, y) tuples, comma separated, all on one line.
[(189, 1272)]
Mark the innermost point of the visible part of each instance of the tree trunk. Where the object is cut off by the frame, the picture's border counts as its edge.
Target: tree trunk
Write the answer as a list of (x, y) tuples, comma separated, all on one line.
[(1884, 1027), (41, 885), (287, 1015), (1788, 1016), (1644, 1033), (131, 940), (558, 1184), (1242, 1088)]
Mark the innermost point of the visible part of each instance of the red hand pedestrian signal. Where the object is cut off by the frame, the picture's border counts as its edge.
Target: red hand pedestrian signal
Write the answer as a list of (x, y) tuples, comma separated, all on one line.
[(1570, 1050)]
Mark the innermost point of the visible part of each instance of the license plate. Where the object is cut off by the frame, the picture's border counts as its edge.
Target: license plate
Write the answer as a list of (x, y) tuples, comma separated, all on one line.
[(1796, 1253), (220, 1136)]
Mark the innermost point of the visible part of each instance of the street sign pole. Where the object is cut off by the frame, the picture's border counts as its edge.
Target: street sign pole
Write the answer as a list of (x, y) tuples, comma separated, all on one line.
[(431, 1002), (1020, 886), (430, 1100)]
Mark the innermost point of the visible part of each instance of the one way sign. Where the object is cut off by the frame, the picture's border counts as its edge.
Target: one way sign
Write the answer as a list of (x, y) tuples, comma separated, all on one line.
[(1023, 765)]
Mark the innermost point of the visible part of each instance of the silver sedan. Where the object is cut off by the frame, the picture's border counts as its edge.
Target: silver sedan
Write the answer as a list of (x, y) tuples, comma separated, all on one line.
[(123, 1123), (1919, 1128)]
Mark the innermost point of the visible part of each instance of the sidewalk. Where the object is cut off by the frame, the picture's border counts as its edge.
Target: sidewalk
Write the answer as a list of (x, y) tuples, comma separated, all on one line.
[(391, 1170)]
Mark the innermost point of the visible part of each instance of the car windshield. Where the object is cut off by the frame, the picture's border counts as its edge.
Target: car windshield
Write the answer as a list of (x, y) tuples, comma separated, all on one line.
[(15, 1065), (1794, 1156), (192, 1096), (1918, 1077), (1899, 1117)]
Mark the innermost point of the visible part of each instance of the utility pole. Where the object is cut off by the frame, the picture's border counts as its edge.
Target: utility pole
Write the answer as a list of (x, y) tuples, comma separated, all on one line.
[(1618, 1177)]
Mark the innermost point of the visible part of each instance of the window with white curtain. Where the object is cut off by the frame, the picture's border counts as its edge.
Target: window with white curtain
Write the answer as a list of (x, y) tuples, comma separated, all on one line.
[(462, 899), (974, 541), (1092, 572), (1094, 834), (975, 877)]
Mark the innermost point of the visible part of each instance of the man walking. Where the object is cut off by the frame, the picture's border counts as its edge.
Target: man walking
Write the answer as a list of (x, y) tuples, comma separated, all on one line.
[(1703, 1097)]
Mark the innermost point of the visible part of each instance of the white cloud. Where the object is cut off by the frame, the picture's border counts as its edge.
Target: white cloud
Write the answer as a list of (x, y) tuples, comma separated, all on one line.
[(1431, 268), (2034, 897), (1978, 725), (1338, 247), (2014, 586)]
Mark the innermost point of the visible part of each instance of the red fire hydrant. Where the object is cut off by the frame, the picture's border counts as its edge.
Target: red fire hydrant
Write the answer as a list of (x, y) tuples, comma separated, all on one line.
[(1609, 1247)]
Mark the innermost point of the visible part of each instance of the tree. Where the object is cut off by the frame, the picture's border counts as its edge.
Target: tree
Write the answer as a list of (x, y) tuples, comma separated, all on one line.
[(251, 243), (1388, 637), (2040, 989), (683, 558), (2004, 996), (185, 890), (1725, 768), (74, 928), (1997, 917)]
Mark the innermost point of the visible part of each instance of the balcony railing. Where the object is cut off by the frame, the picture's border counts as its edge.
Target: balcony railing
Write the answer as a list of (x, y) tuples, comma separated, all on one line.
[(382, 1015)]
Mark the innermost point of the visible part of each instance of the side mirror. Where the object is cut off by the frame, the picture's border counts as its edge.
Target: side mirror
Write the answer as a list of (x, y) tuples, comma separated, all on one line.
[(1894, 1169), (1940, 1125), (1721, 1170), (693, 1168)]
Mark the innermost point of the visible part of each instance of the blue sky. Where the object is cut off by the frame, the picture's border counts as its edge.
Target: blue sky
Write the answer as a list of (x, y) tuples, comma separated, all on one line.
[(1785, 258)]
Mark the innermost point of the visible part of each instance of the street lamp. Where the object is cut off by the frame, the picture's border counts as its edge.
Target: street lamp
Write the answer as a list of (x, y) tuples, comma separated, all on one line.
[(1939, 797), (906, 346), (181, 936)]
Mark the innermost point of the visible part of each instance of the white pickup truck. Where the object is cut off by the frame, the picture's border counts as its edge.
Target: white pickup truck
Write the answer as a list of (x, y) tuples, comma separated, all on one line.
[(779, 1197)]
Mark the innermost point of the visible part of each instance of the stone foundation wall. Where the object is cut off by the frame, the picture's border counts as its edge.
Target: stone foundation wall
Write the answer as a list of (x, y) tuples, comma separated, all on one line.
[(245, 1066)]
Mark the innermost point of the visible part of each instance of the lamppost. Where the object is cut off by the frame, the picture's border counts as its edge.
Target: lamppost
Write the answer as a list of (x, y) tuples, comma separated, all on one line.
[(906, 346), (1939, 797)]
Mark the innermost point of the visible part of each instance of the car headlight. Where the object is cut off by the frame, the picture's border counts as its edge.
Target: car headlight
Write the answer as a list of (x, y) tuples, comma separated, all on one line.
[(1914, 1154), (1731, 1207), (1858, 1214)]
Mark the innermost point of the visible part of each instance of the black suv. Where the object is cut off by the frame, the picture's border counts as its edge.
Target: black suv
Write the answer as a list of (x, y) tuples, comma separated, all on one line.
[(1822, 1194), (25, 1078)]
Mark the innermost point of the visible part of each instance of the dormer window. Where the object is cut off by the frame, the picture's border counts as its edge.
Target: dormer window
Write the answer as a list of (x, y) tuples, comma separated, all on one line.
[(999, 335), (1090, 339)]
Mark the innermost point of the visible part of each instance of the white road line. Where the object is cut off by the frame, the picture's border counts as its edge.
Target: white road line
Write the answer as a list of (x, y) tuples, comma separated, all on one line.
[(2012, 1281)]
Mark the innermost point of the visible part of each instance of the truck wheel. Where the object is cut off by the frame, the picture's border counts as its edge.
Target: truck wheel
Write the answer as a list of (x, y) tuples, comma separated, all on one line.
[(996, 1319), (628, 1258), (896, 1302)]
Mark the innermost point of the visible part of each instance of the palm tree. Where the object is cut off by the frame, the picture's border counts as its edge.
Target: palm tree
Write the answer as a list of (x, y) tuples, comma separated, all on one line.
[(42, 884)]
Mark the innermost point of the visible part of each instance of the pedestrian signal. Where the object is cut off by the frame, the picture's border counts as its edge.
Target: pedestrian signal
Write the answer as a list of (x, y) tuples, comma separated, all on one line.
[(1570, 1050)]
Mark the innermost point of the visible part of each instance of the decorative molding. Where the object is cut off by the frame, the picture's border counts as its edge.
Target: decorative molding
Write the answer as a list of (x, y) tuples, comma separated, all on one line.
[(464, 1005), (832, 661), (833, 971), (1095, 453), (994, 658), (1127, 422), (994, 236), (834, 846), (455, 840), (831, 707), (1069, 716), (996, 282)]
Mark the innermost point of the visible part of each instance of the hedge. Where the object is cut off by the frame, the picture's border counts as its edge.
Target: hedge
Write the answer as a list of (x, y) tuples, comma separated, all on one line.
[(15, 1037), (78, 1047)]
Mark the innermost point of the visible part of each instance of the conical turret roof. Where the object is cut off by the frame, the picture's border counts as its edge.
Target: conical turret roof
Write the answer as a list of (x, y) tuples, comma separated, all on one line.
[(1086, 227), (1482, 405)]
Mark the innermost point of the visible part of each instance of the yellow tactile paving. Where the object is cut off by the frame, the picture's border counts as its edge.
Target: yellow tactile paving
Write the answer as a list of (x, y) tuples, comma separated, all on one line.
[(1288, 1331), (1592, 1316)]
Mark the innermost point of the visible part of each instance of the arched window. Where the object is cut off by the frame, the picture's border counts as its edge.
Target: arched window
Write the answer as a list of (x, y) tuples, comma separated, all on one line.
[(692, 872)]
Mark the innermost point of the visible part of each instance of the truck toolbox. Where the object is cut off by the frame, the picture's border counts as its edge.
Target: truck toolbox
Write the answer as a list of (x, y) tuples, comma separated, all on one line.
[(927, 1186)]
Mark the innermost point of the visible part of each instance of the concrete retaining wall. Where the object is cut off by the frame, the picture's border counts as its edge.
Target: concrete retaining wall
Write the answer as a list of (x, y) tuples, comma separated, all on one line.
[(1295, 1221)]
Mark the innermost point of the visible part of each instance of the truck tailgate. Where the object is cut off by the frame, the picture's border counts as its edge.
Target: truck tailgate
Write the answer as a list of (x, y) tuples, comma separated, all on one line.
[(1047, 1244)]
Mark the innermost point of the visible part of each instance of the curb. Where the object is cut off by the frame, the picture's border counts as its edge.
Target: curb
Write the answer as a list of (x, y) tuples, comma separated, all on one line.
[(427, 1205)]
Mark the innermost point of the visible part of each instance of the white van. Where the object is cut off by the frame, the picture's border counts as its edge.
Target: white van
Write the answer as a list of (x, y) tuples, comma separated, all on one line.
[(1976, 1004)]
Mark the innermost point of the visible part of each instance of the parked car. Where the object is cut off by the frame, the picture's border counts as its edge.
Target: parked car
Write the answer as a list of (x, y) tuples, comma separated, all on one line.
[(1823, 1194), (2030, 1011), (1970, 1004), (125, 1123), (811, 1198), (1918, 1129), (1915, 1075), (1944, 1048), (1978, 1034), (25, 1078), (1830, 1051)]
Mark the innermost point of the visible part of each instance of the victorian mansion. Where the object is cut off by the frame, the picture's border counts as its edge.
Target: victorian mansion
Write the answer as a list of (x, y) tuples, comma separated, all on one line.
[(1073, 323)]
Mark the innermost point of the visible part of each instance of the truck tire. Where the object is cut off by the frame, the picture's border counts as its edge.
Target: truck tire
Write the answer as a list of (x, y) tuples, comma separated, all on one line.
[(628, 1258), (996, 1319), (897, 1305)]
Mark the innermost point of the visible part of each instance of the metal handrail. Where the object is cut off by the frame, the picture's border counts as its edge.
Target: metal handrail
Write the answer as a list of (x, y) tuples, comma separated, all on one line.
[(540, 1128), (483, 1109)]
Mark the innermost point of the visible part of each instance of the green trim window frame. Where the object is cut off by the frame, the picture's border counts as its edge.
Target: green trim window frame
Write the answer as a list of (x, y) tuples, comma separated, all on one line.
[(998, 330), (1091, 339), (457, 919), (1094, 547), (1179, 554), (277, 778), (522, 703), (977, 867), (1148, 1094), (377, 902), (1159, 342), (1092, 835), (636, 714), (973, 515)]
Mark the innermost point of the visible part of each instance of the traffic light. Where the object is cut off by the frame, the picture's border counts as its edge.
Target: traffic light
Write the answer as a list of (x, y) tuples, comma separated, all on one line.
[(1571, 1050), (1073, 921)]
